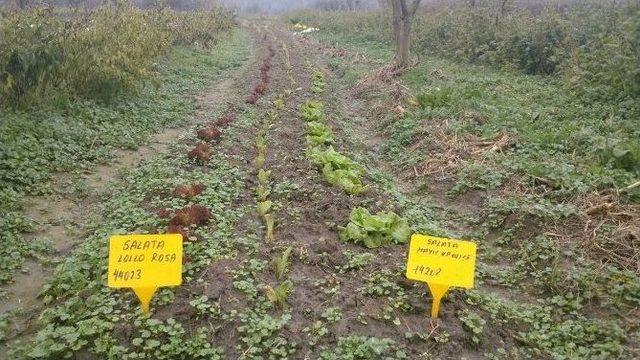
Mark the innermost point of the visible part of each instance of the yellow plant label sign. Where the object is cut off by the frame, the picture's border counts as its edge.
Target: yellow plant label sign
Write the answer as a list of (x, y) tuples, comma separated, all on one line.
[(441, 263), (145, 263)]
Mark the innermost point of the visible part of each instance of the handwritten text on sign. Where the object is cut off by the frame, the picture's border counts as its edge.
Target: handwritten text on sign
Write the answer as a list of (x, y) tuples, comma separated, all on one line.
[(441, 261), (145, 261)]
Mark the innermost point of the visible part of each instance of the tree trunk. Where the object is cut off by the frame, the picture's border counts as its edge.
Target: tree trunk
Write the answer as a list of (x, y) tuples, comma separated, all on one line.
[(401, 22), (404, 43)]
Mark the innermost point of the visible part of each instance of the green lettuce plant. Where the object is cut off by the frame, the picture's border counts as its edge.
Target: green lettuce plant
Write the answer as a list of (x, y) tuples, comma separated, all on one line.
[(338, 169), (319, 134), (264, 207), (312, 110), (373, 231)]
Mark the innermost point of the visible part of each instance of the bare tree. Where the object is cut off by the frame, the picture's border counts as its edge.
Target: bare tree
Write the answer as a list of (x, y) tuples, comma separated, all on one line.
[(353, 5), (502, 9), (402, 18)]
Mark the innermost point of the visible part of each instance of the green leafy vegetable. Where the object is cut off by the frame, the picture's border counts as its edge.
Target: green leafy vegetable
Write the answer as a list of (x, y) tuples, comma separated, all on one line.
[(263, 176), (373, 231), (264, 207), (319, 134), (312, 111), (338, 169), (317, 82)]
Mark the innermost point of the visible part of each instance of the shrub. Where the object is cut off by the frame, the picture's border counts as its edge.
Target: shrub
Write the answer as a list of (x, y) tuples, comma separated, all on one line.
[(98, 54), (592, 46)]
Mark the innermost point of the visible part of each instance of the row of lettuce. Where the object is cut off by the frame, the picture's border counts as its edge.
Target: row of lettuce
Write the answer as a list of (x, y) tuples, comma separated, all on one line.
[(370, 230), (48, 53)]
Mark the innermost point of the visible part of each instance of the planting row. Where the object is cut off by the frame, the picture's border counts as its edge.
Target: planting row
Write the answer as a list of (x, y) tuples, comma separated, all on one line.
[(261, 87), (338, 169), (372, 231), (194, 215)]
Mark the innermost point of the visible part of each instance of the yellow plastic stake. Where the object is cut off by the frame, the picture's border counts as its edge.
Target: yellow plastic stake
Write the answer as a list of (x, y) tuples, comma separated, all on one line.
[(145, 263), (437, 293), (441, 263), (145, 295)]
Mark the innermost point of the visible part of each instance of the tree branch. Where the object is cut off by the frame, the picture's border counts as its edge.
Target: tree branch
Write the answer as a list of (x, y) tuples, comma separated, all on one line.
[(414, 7), (403, 7)]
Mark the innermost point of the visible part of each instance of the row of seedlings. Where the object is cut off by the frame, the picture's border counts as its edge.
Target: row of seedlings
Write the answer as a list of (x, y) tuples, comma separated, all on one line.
[(338, 169), (261, 87), (369, 230), (277, 294), (182, 220)]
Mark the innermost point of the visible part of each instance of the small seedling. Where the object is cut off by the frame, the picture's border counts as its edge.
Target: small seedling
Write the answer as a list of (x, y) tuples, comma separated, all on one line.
[(263, 176), (278, 295), (281, 263), (260, 159), (268, 219), (262, 192), (264, 207)]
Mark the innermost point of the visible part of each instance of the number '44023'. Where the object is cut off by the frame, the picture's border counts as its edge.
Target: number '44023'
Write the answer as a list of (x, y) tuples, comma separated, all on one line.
[(127, 275)]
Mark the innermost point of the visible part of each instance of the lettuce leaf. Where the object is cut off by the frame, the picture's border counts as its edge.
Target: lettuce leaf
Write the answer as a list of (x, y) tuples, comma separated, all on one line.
[(372, 231), (312, 111)]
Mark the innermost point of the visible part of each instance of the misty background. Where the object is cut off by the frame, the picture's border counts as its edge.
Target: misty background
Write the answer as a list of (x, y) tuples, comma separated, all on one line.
[(281, 6)]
